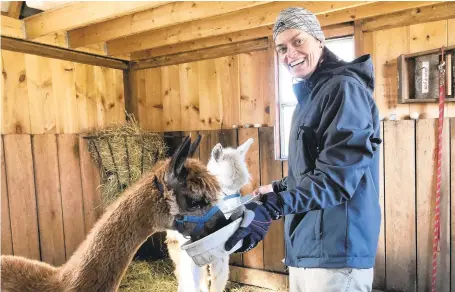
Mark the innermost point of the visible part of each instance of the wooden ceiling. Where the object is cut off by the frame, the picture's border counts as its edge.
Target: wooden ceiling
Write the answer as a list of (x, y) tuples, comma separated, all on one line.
[(137, 30)]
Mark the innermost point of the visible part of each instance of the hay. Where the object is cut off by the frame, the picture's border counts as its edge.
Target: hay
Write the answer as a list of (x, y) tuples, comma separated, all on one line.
[(144, 276), (158, 276), (124, 152)]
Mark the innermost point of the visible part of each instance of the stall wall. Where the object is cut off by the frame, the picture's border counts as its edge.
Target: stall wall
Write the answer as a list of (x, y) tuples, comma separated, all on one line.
[(42, 95)]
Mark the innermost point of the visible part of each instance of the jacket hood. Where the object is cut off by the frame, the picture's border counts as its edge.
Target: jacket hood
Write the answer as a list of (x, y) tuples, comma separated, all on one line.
[(361, 69)]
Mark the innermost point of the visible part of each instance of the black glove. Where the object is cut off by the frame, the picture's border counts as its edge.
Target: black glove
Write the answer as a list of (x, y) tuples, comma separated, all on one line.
[(252, 229)]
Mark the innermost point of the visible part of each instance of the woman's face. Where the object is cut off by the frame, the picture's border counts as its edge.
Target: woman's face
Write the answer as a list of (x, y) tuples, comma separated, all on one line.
[(298, 51)]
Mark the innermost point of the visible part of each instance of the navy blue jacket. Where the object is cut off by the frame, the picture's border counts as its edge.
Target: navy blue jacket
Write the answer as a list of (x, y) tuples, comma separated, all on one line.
[(330, 198)]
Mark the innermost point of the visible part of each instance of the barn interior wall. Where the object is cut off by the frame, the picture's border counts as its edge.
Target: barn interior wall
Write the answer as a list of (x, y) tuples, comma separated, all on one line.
[(43, 95), (387, 44), (208, 94)]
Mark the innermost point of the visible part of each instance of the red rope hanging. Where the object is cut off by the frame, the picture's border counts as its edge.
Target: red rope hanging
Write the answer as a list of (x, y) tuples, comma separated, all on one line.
[(437, 223)]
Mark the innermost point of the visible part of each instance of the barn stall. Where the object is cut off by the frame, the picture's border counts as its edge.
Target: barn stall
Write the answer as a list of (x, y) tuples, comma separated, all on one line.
[(181, 68)]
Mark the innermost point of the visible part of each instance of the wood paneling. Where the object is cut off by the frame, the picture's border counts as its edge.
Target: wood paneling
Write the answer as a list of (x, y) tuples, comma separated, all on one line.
[(207, 94), (426, 172), (41, 95), (271, 170), (49, 200), (7, 242), (71, 191), (400, 201), (90, 180), (21, 195)]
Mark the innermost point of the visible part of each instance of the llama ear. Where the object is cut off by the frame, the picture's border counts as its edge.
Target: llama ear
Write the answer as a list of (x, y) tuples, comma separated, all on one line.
[(242, 149), (179, 157), (194, 146), (217, 152)]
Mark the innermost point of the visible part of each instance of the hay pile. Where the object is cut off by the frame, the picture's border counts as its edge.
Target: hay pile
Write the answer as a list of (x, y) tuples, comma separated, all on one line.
[(158, 276), (124, 152)]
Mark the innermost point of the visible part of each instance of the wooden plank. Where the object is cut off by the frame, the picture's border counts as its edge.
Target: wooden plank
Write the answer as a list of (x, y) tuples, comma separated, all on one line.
[(15, 102), (64, 90), (234, 37), (81, 14), (229, 75), (452, 200), (418, 15), (271, 170), (21, 195), (7, 240), (170, 92), (163, 16), (90, 179), (154, 99), (254, 17), (210, 104), (84, 76), (12, 27), (189, 95), (202, 54), (15, 8), (379, 280), (49, 201), (426, 148), (194, 45), (400, 199), (41, 96), (254, 87), (358, 39), (255, 257), (264, 279), (370, 10), (71, 191), (23, 46)]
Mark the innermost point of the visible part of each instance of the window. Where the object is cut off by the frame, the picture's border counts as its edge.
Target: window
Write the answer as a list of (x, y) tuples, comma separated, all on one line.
[(343, 48)]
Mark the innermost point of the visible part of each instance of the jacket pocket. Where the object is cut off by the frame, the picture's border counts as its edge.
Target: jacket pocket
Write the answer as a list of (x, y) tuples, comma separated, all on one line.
[(318, 225)]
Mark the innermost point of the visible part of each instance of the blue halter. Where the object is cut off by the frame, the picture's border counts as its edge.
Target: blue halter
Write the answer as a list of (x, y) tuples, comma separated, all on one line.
[(201, 220)]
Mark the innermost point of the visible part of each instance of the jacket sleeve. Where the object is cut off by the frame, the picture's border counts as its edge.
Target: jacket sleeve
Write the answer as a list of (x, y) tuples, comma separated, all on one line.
[(346, 153)]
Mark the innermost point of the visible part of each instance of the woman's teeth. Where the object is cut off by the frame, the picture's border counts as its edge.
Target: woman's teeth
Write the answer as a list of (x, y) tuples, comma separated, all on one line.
[(297, 62)]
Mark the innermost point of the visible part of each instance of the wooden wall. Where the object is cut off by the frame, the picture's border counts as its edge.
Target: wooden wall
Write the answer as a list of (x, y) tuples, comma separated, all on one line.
[(208, 94), (386, 45), (49, 195), (42, 95), (218, 93)]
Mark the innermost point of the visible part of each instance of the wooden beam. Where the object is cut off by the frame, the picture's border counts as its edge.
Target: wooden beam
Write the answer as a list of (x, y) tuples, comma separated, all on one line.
[(260, 16), (338, 30), (429, 13), (203, 54), (154, 18), (358, 39), (12, 27), (27, 47), (15, 8), (260, 278), (370, 10), (199, 44), (244, 35), (81, 14)]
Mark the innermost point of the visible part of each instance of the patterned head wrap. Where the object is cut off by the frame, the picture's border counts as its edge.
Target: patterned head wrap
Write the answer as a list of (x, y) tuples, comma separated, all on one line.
[(299, 18)]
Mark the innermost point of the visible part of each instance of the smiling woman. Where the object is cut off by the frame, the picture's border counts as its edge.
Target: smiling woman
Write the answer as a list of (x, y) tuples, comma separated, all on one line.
[(343, 47)]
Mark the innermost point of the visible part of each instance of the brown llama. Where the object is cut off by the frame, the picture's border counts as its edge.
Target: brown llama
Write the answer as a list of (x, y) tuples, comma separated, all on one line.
[(175, 187)]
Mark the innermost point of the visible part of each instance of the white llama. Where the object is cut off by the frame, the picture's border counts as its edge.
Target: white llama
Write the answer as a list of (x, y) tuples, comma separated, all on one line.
[(229, 167)]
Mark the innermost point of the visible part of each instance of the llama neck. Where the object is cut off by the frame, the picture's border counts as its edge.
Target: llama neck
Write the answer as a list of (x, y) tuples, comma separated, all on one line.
[(229, 190), (100, 262)]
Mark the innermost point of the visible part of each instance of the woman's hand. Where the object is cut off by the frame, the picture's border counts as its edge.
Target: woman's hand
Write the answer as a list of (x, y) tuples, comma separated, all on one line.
[(263, 190)]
